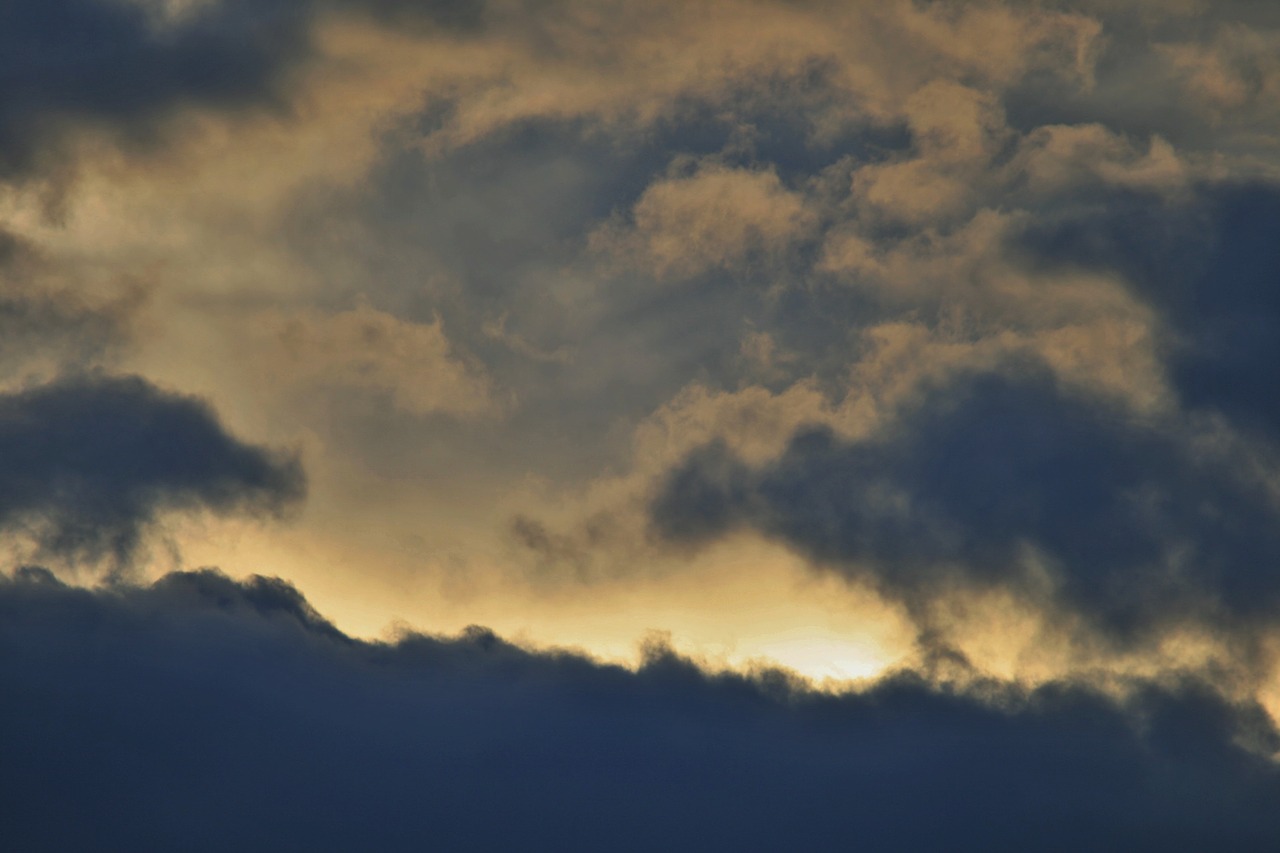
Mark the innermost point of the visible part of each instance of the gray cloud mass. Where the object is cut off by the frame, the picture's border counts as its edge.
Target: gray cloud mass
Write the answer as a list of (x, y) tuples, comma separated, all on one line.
[(931, 347), (203, 713), (88, 463), (1138, 529)]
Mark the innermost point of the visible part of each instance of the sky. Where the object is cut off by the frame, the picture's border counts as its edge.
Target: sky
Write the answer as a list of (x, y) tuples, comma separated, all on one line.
[(582, 424)]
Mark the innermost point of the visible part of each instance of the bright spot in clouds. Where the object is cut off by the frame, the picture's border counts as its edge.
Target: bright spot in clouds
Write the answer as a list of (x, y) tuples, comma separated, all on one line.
[(924, 350)]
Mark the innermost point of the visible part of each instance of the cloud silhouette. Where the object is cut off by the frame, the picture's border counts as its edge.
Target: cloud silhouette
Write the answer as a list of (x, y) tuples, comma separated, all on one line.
[(119, 67), (970, 305), (204, 713), (1136, 527), (108, 63), (88, 463)]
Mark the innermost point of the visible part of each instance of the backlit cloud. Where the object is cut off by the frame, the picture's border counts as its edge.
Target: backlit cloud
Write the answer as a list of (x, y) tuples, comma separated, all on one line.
[(250, 707), (933, 342)]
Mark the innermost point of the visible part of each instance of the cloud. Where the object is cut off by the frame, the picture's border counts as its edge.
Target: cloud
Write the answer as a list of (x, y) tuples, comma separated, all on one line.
[(717, 217), (1064, 158), (956, 131), (102, 63), (1234, 74), (124, 68), (1206, 265), (967, 305), (369, 349), (842, 63), (204, 714), (47, 323), (89, 463), (992, 480)]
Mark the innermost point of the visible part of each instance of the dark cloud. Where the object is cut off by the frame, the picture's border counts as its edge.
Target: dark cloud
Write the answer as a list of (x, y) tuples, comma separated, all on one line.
[(108, 62), (203, 714), (1210, 265), (87, 464), (1136, 528), (112, 64)]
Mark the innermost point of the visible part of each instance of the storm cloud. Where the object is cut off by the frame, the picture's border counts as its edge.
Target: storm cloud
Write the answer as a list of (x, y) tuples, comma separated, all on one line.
[(88, 463), (107, 63), (928, 344), (203, 713), (124, 66), (1134, 524)]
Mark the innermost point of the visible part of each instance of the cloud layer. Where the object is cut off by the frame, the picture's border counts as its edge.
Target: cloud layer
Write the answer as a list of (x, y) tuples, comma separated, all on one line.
[(204, 713), (937, 338)]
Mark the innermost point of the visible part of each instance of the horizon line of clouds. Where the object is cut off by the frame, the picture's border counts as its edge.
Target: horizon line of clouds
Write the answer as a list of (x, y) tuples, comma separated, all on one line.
[(982, 224), (232, 706)]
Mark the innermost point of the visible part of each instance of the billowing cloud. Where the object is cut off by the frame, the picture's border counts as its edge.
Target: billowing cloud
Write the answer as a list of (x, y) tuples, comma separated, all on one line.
[(996, 480), (715, 217), (90, 463), (203, 713), (1208, 266), (856, 336)]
